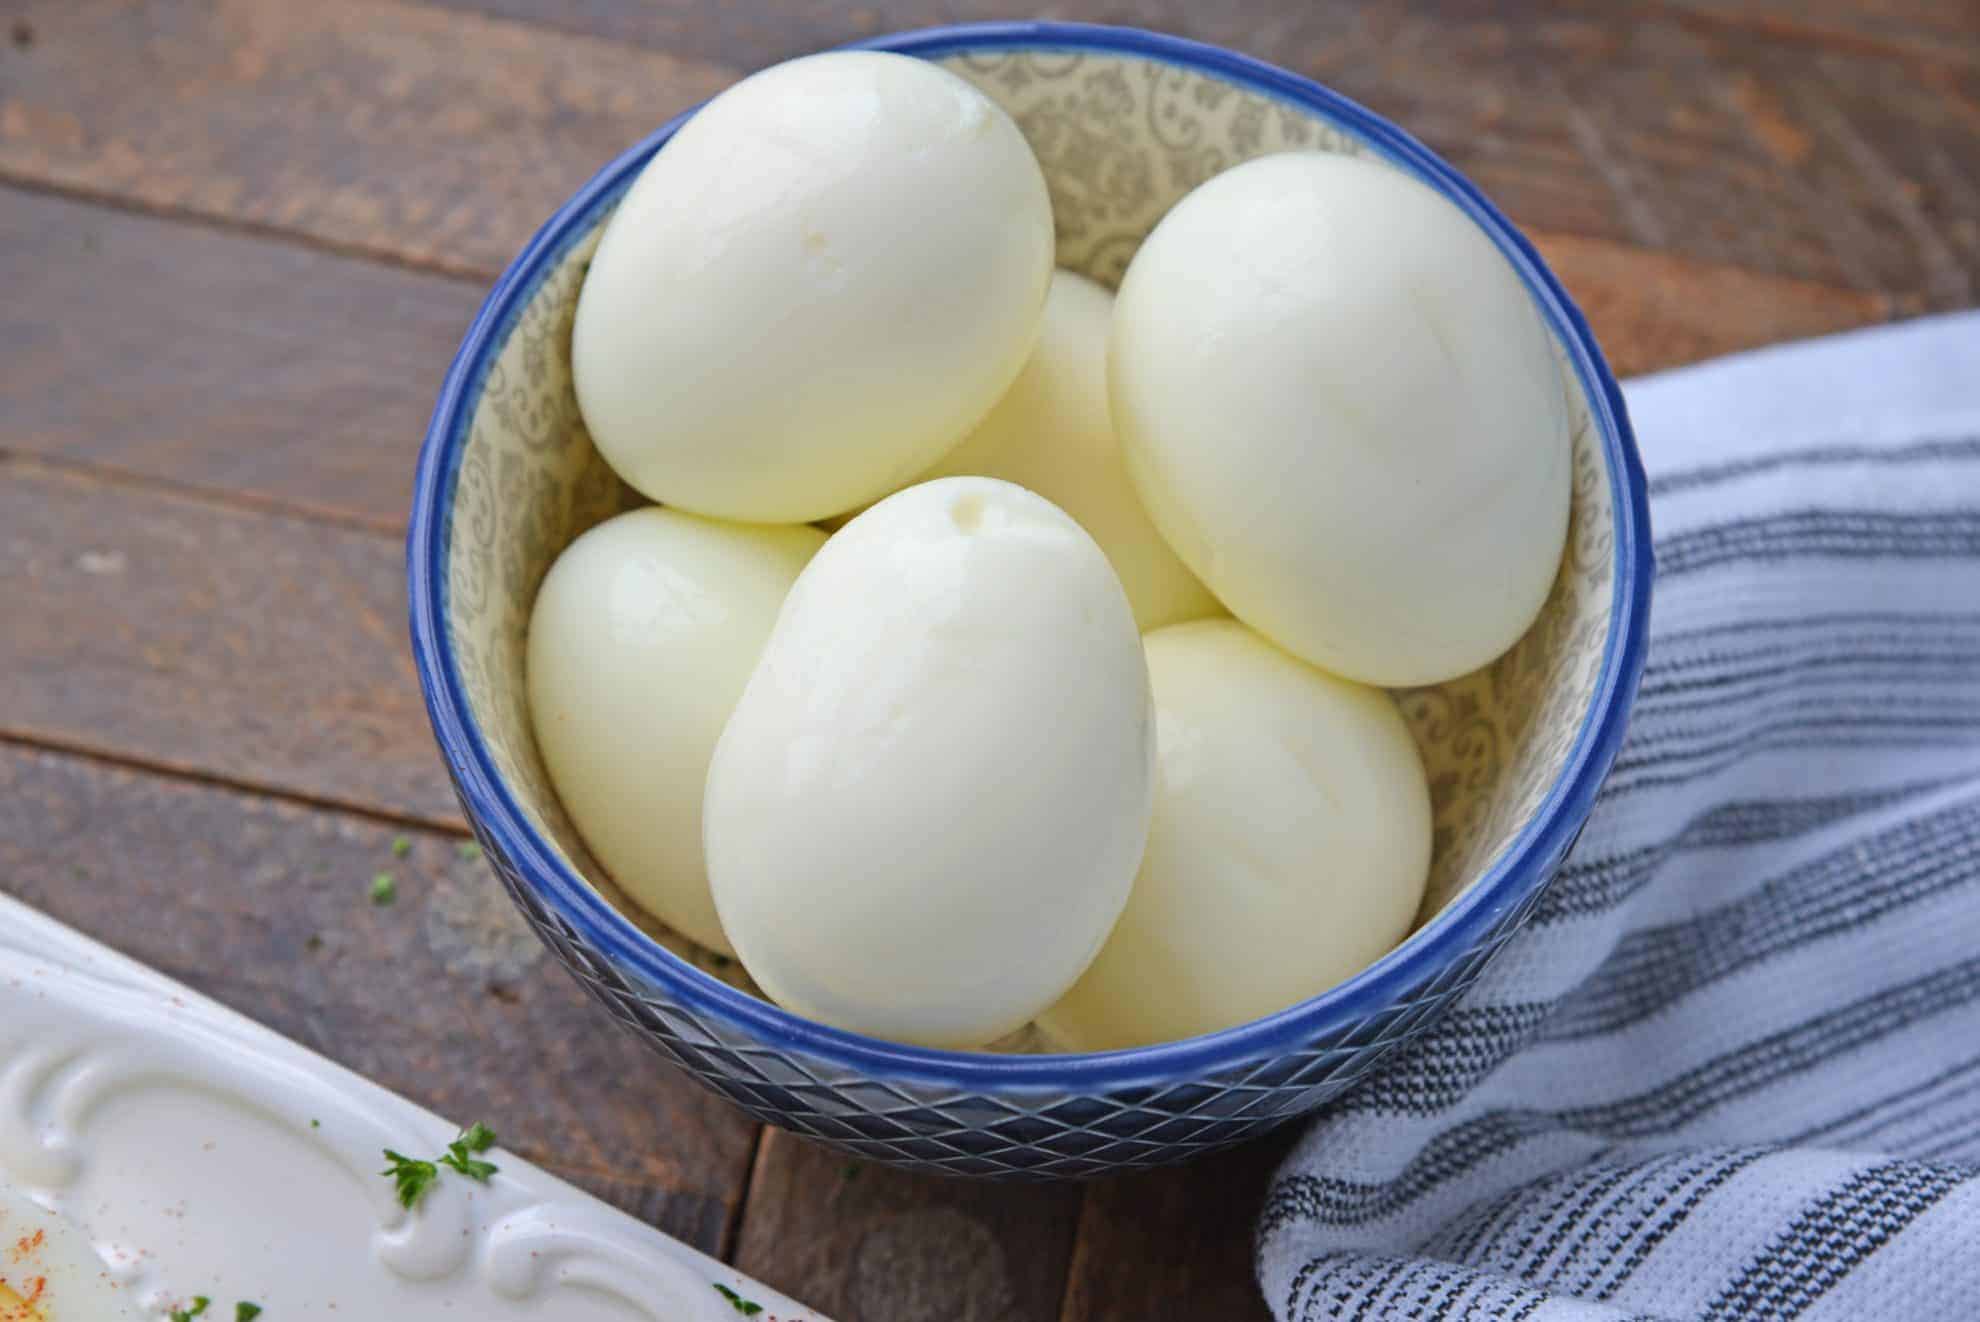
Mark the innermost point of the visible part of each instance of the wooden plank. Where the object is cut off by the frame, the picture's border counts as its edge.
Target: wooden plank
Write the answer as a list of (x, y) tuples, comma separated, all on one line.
[(739, 36), (229, 642), (750, 36), (436, 138), (443, 138), (1938, 30), (870, 1244), (252, 366), (219, 360), (1844, 161), (1651, 311), (1175, 1245), (444, 996)]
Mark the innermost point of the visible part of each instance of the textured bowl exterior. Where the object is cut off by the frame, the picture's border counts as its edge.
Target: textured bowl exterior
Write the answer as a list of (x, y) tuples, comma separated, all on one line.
[(1023, 1116), (1035, 1132)]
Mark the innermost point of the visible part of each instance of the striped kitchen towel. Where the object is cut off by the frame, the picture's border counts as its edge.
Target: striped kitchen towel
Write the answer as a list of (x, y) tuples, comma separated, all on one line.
[(1731, 1069)]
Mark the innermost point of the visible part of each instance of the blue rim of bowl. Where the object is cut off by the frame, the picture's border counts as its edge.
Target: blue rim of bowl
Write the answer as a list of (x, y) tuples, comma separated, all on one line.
[(1518, 871)]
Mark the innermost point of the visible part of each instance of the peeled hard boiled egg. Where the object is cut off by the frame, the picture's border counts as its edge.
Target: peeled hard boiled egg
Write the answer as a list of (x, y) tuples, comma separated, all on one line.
[(927, 809), (1289, 847), (1050, 433), (642, 637), (813, 290), (1339, 404)]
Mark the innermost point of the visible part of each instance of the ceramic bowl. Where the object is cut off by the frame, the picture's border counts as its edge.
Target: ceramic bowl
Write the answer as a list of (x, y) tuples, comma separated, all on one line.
[(1124, 123)]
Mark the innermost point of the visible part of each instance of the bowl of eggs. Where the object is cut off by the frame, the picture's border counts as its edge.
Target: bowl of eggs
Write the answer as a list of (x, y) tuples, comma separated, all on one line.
[(1028, 599)]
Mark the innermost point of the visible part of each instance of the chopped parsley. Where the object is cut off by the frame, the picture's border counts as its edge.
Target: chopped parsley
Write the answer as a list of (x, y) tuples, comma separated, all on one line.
[(467, 851), (411, 1178), (243, 1312), (401, 846), (384, 889), (476, 1138), (747, 1307)]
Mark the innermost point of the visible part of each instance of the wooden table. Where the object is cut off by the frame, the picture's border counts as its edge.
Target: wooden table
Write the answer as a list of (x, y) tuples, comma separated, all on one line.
[(238, 243)]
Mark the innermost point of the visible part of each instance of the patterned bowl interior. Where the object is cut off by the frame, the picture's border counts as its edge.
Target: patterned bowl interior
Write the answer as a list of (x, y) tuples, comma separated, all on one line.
[(1120, 139), (1122, 136)]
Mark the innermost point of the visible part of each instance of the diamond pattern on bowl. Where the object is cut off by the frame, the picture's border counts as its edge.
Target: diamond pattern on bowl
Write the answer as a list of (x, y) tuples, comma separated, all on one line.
[(944, 1129)]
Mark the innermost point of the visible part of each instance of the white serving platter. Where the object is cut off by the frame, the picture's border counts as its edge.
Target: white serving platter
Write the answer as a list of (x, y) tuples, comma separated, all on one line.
[(206, 1155)]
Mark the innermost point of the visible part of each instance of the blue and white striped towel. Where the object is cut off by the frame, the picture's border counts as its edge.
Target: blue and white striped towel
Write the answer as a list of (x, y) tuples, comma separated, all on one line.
[(1732, 1067)]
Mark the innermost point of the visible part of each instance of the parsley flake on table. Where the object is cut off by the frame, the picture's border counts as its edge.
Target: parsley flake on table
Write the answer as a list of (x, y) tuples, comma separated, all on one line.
[(468, 851), (199, 1304), (401, 846), (246, 1312), (747, 1307), (384, 888)]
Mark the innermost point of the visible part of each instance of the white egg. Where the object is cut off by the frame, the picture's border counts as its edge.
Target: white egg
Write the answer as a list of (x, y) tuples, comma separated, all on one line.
[(814, 290), (1289, 847), (1340, 406), (643, 634), (927, 809), (1050, 433), (48, 1270)]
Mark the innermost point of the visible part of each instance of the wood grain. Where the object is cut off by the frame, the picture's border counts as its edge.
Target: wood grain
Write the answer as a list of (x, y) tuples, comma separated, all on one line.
[(1835, 164), (1937, 30), (234, 363), (230, 643), (443, 996), (303, 379), (1843, 161), (436, 138), (1174, 1245), (752, 35), (1651, 311), (868, 1244)]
